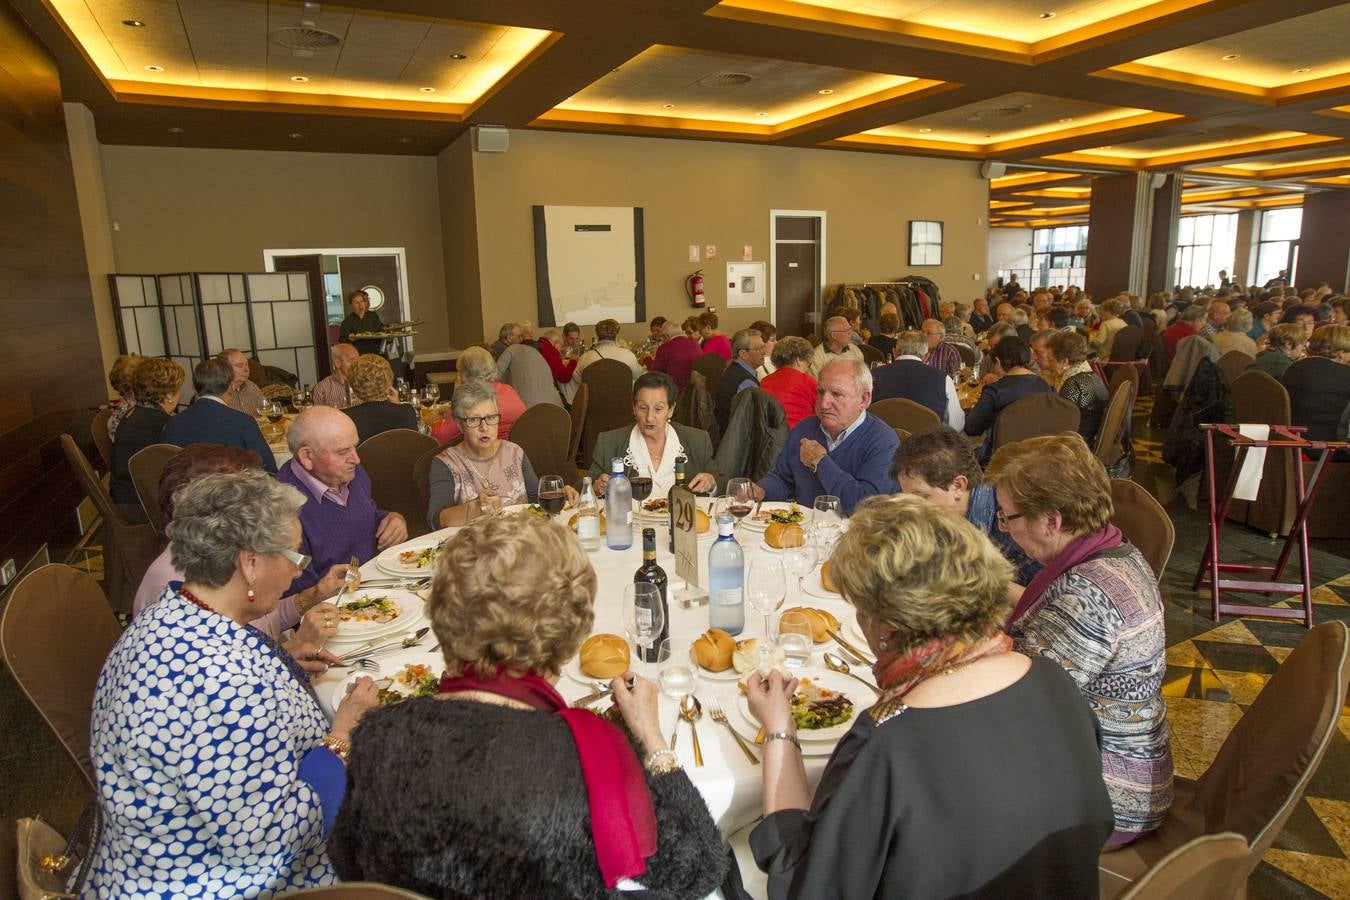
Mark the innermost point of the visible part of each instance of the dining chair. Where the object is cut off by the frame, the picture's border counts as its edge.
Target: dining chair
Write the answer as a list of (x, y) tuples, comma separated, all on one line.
[(421, 480), (543, 432), (1232, 364), (610, 401), (899, 412), (711, 366), (56, 665), (1212, 866), (389, 458), (1111, 442), (98, 430), (581, 402), (1262, 768), (872, 356), (128, 549), (1033, 416), (1144, 523), (1258, 399), (146, 466)]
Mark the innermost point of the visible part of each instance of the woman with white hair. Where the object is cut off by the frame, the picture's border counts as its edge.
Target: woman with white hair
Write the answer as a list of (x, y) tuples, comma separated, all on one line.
[(476, 366), (217, 773)]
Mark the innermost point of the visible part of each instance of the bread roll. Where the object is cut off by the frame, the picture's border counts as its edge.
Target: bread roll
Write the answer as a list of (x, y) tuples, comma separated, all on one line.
[(713, 650), (703, 520), (604, 656), (780, 535), (572, 523), (746, 657), (822, 621), (825, 578)]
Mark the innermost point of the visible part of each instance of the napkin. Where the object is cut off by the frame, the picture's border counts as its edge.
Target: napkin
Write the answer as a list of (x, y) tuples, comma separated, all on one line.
[(1253, 464)]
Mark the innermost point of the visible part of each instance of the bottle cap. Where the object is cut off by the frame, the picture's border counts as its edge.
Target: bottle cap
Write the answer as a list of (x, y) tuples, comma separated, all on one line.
[(616, 465)]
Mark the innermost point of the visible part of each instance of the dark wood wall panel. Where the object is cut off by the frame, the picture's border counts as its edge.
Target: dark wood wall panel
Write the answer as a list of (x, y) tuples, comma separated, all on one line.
[(50, 367), (1324, 247), (1110, 235)]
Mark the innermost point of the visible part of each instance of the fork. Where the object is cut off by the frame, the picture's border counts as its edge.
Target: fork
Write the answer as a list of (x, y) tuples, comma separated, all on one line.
[(720, 717), (366, 663)]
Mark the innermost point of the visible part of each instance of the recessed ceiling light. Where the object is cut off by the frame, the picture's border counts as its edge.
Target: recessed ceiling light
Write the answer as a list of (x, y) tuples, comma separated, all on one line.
[(295, 134), (924, 130), (667, 105), (1047, 15), (300, 79), (458, 56), (1065, 120), (1301, 70), (405, 140), (154, 68), (825, 91), (175, 130), (1229, 57), (427, 90), (133, 23), (761, 114)]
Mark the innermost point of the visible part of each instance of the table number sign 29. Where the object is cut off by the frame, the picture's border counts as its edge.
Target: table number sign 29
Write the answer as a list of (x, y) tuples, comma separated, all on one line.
[(685, 519)]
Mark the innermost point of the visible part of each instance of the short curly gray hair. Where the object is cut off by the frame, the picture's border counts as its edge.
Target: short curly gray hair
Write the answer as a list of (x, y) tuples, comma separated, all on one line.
[(468, 395), (216, 516)]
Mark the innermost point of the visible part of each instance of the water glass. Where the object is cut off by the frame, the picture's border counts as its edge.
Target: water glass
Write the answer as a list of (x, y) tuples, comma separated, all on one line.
[(643, 618), (795, 638), (432, 392), (766, 588), (801, 561), (827, 519), (678, 673)]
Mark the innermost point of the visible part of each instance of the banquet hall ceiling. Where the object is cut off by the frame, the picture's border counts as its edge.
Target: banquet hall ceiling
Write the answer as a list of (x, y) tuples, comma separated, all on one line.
[(1252, 95)]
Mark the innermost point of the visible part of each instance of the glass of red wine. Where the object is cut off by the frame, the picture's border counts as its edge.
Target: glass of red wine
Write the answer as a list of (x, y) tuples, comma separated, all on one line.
[(551, 495), (740, 501), (640, 477)]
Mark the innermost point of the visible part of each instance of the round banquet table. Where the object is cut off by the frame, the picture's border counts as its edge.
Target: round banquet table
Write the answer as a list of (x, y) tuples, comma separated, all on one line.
[(729, 783)]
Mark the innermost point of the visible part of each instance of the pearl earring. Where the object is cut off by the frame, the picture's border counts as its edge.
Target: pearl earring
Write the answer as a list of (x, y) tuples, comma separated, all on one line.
[(250, 595)]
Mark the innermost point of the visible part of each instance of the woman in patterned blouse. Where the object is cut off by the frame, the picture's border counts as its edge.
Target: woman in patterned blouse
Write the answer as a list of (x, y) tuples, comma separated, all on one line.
[(217, 774), (1066, 353), (1094, 609)]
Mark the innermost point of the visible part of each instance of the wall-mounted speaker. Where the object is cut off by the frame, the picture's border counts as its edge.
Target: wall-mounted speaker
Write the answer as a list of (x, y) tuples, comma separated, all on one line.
[(990, 170), (491, 138), (1157, 180)]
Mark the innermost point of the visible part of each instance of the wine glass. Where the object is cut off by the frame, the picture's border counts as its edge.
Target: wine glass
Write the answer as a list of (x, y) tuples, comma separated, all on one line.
[(641, 482), (766, 588), (742, 500), (551, 495), (432, 392), (800, 561), (678, 672), (826, 519), (643, 618)]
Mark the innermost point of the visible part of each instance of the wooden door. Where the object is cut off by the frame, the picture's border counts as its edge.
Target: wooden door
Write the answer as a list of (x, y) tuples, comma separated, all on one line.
[(796, 274)]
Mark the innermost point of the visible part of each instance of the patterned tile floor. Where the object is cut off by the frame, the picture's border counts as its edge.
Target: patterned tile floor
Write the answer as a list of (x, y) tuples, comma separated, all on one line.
[(1214, 672)]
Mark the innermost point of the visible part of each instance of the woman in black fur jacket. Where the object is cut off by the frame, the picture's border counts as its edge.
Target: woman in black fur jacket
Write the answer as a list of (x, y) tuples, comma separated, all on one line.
[(492, 787)]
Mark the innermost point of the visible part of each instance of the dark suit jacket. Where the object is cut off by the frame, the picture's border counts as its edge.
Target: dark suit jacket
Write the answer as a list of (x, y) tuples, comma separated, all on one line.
[(208, 421), (697, 447), (377, 416)]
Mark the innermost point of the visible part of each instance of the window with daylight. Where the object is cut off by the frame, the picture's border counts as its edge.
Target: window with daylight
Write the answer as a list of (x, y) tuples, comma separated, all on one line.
[(925, 243), (1277, 250), (1206, 245), (1059, 255)]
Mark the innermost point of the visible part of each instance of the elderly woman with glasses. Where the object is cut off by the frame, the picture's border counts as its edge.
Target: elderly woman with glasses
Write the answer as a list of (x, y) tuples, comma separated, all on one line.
[(976, 772), (217, 773), (483, 472), (1095, 609), (494, 787)]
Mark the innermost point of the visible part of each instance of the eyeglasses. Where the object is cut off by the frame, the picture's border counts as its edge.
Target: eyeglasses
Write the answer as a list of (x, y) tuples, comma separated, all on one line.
[(475, 421), (1004, 518), (299, 560)]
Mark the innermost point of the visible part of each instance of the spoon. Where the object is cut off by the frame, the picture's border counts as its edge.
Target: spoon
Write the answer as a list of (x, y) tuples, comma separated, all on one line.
[(835, 664), (691, 712)]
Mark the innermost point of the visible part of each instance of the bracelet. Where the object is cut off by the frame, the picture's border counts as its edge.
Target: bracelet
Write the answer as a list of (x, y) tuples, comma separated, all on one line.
[(661, 762), (782, 736), (340, 748)]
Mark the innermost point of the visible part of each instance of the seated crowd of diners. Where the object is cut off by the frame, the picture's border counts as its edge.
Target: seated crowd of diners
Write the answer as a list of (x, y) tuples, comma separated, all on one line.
[(1020, 661)]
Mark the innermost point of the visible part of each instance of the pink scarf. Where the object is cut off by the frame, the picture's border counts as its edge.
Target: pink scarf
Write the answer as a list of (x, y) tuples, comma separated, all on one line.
[(623, 822), (1078, 550)]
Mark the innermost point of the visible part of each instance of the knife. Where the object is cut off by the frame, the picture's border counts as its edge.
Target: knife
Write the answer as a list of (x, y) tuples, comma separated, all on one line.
[(591, 697), (850, 648)]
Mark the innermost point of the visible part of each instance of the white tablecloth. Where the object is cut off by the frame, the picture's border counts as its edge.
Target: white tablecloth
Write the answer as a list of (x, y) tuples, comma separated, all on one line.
[(729, 783)]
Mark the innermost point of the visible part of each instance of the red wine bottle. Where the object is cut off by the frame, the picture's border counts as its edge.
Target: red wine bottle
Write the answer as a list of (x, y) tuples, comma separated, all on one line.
[(651, 573)]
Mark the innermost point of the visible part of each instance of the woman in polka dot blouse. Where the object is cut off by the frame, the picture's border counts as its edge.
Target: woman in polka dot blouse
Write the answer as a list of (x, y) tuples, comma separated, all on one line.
[(217, 774)]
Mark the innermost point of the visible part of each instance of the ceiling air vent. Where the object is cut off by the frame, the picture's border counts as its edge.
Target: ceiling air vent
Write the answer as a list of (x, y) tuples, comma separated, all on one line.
[(726, 79), (304, 38)]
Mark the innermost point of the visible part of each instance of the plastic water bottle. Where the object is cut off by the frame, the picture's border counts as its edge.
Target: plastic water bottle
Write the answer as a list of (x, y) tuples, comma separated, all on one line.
[(618, 507), (726, 579), (588, 518)]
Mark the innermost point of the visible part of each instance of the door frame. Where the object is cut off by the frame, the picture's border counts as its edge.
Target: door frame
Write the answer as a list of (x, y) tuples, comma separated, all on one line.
[(773, 255), (400, 252)]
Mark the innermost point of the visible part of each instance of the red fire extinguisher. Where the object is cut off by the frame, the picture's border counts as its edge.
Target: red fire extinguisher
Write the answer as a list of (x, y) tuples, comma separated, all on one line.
[(693, 286)]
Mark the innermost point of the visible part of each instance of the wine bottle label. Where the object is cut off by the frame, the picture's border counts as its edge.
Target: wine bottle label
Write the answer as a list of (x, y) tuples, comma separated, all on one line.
[(644, 620)]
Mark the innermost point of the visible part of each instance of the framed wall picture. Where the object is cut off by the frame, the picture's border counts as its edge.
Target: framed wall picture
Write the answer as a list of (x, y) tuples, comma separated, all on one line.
[(925, 243)]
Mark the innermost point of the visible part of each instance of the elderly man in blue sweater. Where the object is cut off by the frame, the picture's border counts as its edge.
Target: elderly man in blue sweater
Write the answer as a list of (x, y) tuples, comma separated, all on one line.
[(841, 450)]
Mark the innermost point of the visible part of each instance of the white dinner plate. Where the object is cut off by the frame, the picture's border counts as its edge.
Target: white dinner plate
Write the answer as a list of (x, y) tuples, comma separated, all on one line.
[(815, 586), (390, 561), (854, 634), (725, 676), (572, 669), (340, 689), (753, 524), (862, 698), (409, 612)]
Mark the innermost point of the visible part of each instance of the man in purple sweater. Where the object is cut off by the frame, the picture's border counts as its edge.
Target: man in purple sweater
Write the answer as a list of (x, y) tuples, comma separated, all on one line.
[(842, 450), (339, 519)]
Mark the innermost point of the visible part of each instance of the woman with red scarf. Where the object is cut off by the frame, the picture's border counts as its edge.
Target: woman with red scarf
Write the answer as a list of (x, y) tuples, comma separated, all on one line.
[(976, 773), (494, 787), (1095, 609)]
